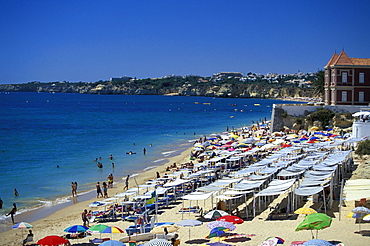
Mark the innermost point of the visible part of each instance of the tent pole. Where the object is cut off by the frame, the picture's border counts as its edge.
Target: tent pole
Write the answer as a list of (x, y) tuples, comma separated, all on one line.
[(254, 205), (323, 193), (341, 199)]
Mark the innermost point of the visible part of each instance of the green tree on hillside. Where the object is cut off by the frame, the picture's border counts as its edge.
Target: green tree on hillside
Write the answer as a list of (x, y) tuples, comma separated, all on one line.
[(323, 115), (363, 148), (318, 83)]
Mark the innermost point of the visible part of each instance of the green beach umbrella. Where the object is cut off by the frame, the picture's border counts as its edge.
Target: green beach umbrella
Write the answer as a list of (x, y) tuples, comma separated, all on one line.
[(99, 228), (316, 221)]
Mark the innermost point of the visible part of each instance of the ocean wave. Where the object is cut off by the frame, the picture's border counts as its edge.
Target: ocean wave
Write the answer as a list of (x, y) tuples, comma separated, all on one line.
[(159, 160), (148, 168), (133, 175), (168, 152)]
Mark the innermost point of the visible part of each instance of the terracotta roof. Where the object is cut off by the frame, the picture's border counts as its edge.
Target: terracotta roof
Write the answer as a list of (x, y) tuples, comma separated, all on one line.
[(332, 59), (361, 61), (343, 59)]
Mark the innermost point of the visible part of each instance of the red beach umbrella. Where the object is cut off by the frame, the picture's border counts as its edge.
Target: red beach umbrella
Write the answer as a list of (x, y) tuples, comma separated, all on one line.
[(231, 218), (52, 241)]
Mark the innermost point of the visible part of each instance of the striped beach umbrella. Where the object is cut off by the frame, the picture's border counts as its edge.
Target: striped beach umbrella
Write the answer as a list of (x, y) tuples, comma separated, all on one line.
[(22, 225), (158, 242), (112, 229)]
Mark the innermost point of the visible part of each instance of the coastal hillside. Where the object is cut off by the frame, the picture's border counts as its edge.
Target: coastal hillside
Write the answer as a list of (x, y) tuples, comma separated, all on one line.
[(244, 90)]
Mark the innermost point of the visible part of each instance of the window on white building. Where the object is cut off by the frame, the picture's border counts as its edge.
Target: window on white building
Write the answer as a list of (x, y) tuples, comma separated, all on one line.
[(361, 96), (362, 78), (344, 96), (344, 77)]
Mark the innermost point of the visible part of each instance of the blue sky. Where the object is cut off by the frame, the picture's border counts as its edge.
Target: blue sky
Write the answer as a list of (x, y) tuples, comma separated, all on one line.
[(52, 40)]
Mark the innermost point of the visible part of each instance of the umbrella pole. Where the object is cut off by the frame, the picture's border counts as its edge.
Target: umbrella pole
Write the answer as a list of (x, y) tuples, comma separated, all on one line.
[(323, 192)]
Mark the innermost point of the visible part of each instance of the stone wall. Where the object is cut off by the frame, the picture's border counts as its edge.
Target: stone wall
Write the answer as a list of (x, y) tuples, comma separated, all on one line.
[(277, 120)]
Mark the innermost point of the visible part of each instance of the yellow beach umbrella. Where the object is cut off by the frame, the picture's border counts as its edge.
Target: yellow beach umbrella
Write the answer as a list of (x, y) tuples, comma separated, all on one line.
[(305, 211), (314, 128)]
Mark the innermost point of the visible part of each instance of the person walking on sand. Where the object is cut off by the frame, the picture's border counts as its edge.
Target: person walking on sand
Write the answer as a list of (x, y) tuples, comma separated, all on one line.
[(75, 188), (85, 219), (98, 190), (105, 190), (126, 182), (12, 212)]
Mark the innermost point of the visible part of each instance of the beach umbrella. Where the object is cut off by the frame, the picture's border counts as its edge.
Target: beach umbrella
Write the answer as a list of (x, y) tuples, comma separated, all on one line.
[(164, 229), (305, 210), (356, 216), (218, 244), (112, 229), (366, 218), (157, 242), (317, 242), (315, 221), (362, 210), (112, 243), (279, 239), (215, 214), (216, 232), (225, 224), (232, 219), (52, 241), (97, 228), (189, 223), (314, 128), (76, 229), (22, 225), (259, 144)]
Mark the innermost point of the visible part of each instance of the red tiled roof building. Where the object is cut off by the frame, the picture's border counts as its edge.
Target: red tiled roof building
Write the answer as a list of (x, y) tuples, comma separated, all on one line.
[(347, 80)]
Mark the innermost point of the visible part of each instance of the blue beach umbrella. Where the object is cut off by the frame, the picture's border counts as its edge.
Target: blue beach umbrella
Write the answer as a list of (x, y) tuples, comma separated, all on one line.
[(76, 229), (112, 243), (317, 242)]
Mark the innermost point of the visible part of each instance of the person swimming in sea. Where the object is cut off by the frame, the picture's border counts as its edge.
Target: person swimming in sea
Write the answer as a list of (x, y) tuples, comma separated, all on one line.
[(100, 165), (130, 153)]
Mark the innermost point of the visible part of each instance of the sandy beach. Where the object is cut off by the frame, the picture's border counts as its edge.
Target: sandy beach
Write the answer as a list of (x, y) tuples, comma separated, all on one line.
[(343, 230)]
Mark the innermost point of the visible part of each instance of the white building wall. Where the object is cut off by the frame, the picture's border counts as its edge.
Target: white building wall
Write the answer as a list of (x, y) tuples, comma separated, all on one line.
[(360, 129)]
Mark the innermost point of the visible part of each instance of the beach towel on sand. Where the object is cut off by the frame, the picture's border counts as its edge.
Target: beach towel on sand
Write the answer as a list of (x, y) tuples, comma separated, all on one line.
[(269, 242)]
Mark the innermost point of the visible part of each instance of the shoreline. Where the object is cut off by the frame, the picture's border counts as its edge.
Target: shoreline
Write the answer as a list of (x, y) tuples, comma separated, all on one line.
[(342, 230), (75, 206), (48, 207)]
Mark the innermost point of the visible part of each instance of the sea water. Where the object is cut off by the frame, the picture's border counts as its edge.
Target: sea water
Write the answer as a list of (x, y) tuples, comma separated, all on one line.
[(50, 140)]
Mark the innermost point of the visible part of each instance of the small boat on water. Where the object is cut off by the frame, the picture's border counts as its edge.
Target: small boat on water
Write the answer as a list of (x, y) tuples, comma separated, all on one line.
[(257, 104)]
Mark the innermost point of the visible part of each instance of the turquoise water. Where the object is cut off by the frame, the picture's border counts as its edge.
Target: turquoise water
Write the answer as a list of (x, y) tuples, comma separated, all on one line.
[(40, 131)]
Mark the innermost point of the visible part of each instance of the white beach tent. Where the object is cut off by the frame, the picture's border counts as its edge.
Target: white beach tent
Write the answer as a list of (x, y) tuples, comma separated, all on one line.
[(357, 189)]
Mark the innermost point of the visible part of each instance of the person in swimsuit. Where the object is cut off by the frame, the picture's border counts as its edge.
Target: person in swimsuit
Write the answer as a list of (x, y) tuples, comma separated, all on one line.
[(126, 182), (105, 190), (85, 219), (98, 190), (12, 212)]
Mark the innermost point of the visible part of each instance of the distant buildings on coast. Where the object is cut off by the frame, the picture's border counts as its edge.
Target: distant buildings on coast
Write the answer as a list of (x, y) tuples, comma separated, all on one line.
[(303, 80)]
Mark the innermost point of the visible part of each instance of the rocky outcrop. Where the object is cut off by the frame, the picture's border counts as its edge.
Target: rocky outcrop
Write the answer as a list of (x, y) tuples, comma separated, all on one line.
[(224, 90)]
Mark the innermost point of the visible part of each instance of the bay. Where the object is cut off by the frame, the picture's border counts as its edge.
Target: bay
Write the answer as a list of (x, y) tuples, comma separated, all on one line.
[(49, 140)]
